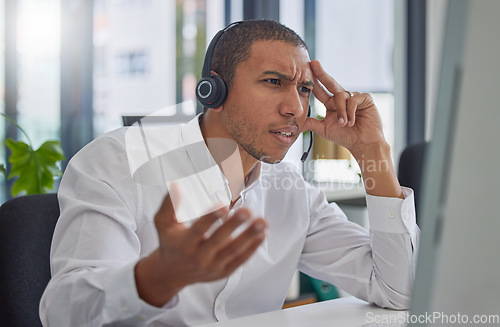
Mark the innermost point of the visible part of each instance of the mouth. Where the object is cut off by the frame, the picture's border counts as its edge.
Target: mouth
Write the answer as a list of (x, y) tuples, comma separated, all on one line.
[(285, 135)]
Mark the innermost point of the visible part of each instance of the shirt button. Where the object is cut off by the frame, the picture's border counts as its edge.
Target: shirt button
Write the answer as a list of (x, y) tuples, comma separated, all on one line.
[(143, 317), (407, 215), (392, 214), (124, 308), (220, 305)]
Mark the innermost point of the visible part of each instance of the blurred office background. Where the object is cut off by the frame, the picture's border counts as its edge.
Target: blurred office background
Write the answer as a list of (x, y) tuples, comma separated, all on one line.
[(70, 69)]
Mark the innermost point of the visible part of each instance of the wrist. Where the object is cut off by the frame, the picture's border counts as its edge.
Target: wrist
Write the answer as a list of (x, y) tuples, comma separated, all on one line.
[(377, 170), (372, 151), (153, 283)]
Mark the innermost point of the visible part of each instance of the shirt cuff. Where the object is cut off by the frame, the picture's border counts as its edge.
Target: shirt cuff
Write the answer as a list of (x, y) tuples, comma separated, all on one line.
[(124, 303), (392, 215)]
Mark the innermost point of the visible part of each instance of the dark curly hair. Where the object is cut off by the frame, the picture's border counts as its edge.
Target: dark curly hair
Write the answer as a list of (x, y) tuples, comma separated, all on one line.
[(234, 45)]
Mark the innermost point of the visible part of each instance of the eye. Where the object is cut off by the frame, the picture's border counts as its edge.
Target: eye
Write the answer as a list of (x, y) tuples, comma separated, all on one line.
[(274, 81), (305, 89)]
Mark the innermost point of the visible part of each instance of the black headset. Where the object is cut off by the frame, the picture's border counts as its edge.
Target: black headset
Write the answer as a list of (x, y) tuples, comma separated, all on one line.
[(311, 139), (211, 89)]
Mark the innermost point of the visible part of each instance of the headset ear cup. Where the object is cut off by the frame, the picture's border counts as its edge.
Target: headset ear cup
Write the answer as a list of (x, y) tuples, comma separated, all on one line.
[(211, 91), (221, 93), (205, 91)]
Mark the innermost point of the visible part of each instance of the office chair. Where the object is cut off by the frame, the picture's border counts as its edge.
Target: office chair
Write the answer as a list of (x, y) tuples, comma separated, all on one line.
[(411, 163), (26, 227)]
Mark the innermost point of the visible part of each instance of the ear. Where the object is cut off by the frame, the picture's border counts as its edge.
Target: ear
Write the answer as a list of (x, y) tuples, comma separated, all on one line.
[(218, 109)]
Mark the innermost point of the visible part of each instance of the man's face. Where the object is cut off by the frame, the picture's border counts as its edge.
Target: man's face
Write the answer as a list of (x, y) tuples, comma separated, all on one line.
[(267, 105)]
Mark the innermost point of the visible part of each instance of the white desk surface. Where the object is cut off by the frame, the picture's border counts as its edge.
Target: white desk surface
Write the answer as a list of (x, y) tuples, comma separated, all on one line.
[(344, 312)]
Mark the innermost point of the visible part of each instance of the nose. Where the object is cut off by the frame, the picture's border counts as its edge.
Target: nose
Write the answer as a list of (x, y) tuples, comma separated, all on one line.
[(291, 104)]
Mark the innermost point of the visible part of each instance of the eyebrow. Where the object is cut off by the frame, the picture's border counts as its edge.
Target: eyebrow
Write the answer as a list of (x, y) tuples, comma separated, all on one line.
[(286, 77)]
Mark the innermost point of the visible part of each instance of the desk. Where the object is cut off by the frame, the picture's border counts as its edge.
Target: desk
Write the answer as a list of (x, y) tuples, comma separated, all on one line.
[(345, 312)]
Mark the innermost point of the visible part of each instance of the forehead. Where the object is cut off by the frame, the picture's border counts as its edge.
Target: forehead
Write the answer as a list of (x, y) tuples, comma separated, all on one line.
[(280, 56)]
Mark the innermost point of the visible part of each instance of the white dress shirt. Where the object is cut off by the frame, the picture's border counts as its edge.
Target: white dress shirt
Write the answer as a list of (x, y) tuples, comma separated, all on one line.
[(111, 191)]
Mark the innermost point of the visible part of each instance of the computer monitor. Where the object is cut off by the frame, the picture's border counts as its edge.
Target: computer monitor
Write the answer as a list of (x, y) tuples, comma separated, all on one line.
[(458, 270)]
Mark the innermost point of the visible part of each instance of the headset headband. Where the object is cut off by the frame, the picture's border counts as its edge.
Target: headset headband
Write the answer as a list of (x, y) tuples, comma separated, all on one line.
[(210, 50)]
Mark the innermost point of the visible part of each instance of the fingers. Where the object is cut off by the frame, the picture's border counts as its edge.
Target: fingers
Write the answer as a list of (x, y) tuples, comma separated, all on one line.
[(331, 93), (223, 233), (347, 104), (191, 255), (220, 253), (165, 216), (341, 107), (243, 255), (329, 82), (314, 125), (335, 98), (351, 107), (240, 249), (196, 233)]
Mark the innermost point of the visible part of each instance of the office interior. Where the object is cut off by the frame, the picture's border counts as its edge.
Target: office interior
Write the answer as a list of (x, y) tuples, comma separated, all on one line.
[(69, 70)]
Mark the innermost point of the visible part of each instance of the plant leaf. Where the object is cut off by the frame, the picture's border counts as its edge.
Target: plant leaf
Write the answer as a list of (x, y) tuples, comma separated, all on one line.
[(2, 170), (35, 169)]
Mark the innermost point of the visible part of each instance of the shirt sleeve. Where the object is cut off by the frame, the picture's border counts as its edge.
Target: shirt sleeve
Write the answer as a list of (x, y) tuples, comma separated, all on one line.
[(376, 265), (95, 246)]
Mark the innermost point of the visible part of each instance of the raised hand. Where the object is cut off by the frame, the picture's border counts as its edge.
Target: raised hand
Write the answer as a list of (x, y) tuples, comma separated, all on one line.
[(351, 120), (187, 255)]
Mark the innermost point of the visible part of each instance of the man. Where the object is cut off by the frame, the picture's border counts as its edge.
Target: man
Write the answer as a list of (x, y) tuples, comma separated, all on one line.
[(118, 259)]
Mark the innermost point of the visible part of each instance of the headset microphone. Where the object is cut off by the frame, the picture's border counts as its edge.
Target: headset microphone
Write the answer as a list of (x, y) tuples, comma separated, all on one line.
[(305, 154)]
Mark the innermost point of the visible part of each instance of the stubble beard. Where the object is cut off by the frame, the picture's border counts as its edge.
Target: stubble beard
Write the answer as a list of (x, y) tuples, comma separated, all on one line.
[(241, 131)]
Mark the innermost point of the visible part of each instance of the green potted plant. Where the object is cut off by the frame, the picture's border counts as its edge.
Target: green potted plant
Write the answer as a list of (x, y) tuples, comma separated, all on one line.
[(35, 169)]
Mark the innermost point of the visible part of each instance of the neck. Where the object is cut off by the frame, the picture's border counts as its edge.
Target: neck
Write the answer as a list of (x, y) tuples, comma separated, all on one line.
[(235, 165)]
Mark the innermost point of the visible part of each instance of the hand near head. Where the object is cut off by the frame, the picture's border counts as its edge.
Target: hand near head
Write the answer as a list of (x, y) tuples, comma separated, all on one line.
[(350, 121), (186, 255)]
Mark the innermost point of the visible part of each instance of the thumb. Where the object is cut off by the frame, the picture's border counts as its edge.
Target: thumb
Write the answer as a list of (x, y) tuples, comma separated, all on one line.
[(314, 125), (165, 216)]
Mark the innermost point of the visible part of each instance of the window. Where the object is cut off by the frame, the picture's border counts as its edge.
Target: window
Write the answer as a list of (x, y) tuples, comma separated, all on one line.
[(132, 63), (147, 56), (354, 42), (38, 51), (32, 90), (134, 60)]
